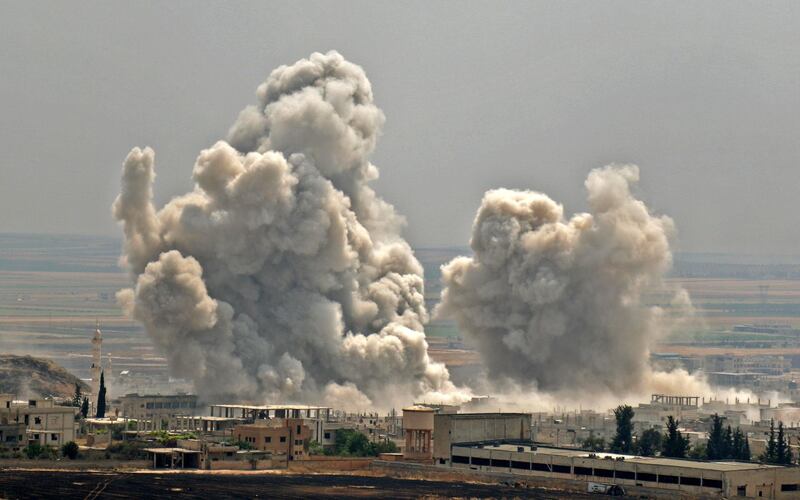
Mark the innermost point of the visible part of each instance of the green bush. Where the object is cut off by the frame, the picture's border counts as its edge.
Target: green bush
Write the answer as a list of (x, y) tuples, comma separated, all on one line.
[(70, 450), (127, 450), (35, 450), (351, 443)]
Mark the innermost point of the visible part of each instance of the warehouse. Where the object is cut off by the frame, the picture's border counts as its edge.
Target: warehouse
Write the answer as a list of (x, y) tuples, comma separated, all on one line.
[(690, 477)]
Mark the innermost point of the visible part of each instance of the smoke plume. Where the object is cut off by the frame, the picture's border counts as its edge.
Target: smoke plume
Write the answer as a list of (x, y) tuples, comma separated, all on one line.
[(282, 276), (555, 304)]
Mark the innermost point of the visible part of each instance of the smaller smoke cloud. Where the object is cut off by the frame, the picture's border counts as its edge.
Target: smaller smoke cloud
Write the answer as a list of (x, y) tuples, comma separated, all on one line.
[(556, 304)]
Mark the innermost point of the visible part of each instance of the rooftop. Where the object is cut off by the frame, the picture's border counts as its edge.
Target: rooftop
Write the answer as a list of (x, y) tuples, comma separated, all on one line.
[(466, 416), (271, 407), (671, 462)]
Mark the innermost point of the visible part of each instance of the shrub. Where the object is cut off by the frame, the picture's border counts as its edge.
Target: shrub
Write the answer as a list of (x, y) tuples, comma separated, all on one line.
[(33, 450), (70, 450)]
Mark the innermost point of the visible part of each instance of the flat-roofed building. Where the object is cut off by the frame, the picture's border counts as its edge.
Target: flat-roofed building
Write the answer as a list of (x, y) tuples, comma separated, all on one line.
[(315, 417), (154, 411), (45, 422), (12, 435), (418, 426), (449, 429), (289, 436), (686, 477)]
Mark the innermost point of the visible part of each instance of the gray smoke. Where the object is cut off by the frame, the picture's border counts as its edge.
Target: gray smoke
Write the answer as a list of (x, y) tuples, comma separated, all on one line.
[(556, 304), (282, 276)]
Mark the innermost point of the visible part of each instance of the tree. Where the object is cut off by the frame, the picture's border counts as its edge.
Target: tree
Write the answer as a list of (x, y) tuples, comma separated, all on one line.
[(77, 398), (70, 450), (770, 455), (745, 455), (85, 407), (623, 440), (101, 398), (698, 452), (727, 443), (594, 443), (315, 448), (783, 454), (675, 445), (715, 450), (649, 443)]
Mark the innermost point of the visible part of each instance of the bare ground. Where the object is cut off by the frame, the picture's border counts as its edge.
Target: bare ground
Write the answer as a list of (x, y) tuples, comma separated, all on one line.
[(66, 485)]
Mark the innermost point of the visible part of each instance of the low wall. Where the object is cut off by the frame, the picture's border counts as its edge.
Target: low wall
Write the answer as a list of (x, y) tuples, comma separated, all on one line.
[(419, 471), (246, 464), (78, 464), (322, 463)]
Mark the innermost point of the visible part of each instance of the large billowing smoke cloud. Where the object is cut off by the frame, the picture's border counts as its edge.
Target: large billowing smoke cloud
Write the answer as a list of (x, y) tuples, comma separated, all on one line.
[(283, 275), (556, 304)]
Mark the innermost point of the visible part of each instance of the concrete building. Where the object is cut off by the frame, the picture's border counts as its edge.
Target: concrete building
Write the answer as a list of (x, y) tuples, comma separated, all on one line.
[(418, 426), (13, 435), (572, 428), (681, 477), (289, 436), (314, 417), (450, 429), (154, 411), (44, 422), (661, 406)]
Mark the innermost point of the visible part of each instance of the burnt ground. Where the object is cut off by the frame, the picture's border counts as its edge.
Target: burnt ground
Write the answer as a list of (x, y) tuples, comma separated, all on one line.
[(19, 484)]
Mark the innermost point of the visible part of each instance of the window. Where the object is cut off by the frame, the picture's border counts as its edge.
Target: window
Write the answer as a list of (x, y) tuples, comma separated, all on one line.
[(458, 459), (741, 491), (327, 435), (786, 487), (667, 479), (520, 465), (625, 474), (690, 481), (583, 471), (268, 439), (283, 439), (604, 472), (480, 461), (646, 476), (540, 467), (53, 437), (500, 463), (298, 429), (712, 483), (150, 406), (37, 420), (563, 469)]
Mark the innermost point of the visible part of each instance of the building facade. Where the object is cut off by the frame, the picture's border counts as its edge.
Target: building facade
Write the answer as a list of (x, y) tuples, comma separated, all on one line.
[(290, 436), (683, 477), (44, 421), (449, 429)]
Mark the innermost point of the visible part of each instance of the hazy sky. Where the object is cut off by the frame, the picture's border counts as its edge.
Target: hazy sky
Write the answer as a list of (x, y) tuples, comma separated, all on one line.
[(703, 96)]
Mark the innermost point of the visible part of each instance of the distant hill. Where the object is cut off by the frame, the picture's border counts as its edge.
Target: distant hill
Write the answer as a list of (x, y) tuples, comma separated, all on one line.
[(26, 376)]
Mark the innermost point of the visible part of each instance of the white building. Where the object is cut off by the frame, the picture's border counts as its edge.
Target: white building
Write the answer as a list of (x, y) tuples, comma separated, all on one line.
[(45, 423)]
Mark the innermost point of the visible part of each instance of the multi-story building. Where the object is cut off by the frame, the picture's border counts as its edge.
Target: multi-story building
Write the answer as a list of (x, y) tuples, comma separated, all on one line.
[(449, 429), (418, 425), (154, 411), (44, 421), (280, 436), (12, 435)]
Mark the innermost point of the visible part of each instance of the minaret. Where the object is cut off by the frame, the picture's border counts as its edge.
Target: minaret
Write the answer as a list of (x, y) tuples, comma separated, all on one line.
[(97, 353)]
